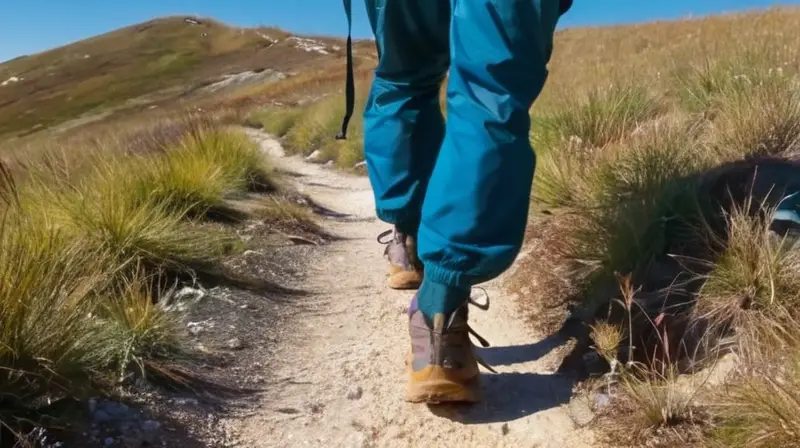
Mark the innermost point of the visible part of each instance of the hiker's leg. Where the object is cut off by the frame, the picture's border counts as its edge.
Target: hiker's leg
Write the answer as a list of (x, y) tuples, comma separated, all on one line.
[(475, 211), (403, 124)]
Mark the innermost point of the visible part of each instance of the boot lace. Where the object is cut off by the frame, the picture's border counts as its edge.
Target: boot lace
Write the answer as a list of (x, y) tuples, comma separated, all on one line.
[(483, 306)]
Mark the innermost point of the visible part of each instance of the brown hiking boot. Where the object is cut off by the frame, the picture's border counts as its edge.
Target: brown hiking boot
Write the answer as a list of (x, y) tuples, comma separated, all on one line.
[(442, 364), (405, 269)]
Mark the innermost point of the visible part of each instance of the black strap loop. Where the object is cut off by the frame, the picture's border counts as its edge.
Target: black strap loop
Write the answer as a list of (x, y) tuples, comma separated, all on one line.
[(350, 94)]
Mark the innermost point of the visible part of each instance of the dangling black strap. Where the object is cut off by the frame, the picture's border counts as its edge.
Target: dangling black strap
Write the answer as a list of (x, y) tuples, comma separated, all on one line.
[(350, 88)]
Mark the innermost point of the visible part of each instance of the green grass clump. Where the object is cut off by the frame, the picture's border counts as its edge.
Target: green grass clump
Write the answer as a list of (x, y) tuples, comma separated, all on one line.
[(47, 289), (197, 175), (641, 199), (319, 124), (660, 400), (760, 405), (602, 117), (235, 153), (762, 409), (314, 127), (132, 228), (760, 119), (569, 139), (277, 121), (756, 270), (561, 174), (138, 331)]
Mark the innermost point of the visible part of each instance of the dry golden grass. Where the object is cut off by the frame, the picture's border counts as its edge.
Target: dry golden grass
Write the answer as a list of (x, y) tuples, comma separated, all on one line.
[(607, 339), (661, 191), (84, 239), (632, 123), (760, 407)]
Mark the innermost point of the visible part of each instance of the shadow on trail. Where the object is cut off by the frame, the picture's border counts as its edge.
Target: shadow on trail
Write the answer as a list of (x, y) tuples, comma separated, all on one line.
[(518, 354), (511, 396)]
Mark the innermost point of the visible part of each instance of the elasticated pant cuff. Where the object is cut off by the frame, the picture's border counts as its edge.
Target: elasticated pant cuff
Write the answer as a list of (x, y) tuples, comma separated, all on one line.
[(435, 298)]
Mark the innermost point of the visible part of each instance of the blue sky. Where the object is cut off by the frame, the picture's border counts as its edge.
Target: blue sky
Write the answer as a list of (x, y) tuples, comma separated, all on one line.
[(30, 26)]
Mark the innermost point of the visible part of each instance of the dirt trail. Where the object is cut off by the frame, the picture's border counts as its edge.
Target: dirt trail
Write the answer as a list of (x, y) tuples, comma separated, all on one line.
[(341, 373)]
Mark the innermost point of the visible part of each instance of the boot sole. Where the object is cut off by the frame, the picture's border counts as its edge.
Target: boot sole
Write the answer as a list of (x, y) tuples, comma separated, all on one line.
[(443, 391), (402, 279)]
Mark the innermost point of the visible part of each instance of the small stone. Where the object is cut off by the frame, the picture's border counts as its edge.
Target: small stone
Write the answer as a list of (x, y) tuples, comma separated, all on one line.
[(108, 441), (355, 393), (235, 344), (505, 429)]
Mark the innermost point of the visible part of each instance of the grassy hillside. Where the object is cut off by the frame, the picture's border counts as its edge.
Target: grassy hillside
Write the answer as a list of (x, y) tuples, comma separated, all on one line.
[(662, 150), (138, 65), (658, 56)]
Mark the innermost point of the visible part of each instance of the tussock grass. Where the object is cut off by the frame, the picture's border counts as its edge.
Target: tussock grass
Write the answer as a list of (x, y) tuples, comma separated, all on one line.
[(756, 270), (761, 118), (277, 121), (196, 175), (82, 252), (640, 198), (607, 339), (561, 176), (760, 407), (129, 228), (318, 124), (47, 288), (662, 403), (661, 400), (312, 128), (137, 330), (602, 117), (569, 140)]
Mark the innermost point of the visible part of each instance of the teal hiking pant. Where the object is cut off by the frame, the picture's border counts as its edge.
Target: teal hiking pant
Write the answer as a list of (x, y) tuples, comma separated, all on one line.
[(462, 186)]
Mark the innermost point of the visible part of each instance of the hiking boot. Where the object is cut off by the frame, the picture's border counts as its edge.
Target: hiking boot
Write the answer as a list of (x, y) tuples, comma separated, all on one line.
[(442, 364), (405, 269)]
